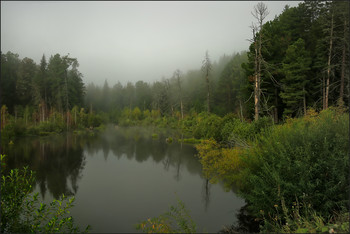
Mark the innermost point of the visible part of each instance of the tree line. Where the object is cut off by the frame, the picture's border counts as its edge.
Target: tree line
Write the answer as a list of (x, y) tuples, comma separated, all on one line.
[(180, 94), (300, 59), (37, 91), (296, 61)]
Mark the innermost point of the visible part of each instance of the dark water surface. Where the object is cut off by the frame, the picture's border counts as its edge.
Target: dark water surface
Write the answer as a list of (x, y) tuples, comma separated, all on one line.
[(123, 176)]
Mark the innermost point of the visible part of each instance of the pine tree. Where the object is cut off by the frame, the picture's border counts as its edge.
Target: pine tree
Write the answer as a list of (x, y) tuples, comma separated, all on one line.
[(295, 67)]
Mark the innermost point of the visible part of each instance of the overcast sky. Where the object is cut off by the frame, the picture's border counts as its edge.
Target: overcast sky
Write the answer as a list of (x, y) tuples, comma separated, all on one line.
[(129, 41)]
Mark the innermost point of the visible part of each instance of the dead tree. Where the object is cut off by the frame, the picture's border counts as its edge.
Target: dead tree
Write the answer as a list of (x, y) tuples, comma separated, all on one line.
[(259, 13)]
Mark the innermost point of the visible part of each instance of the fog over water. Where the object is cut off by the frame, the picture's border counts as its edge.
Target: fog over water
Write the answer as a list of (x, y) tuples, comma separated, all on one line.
[(129, 41)]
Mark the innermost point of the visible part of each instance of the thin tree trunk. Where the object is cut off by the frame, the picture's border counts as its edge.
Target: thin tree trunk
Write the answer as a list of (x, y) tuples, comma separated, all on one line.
[(208, 95), (182, 109), (229, 98), (45, 96), (323, 93), (329, 64), (341, 93), (304, 100), (275, 114), (180, 93), (15, 114), (3, 117), (256, 85), (67, 98), (240, 107), (260, 12)]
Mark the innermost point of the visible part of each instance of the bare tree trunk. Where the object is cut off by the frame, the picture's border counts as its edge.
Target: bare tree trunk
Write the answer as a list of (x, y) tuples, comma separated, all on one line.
[(229, 98), (256, 84), (275, 114), (45, 98), (3, 116), (67, 107), (177, 73), (182, 109), (208, 95), (323, 93), (240, 107), (341, 93), (329, 64), (15, 114), (304, 100), (260, 13)]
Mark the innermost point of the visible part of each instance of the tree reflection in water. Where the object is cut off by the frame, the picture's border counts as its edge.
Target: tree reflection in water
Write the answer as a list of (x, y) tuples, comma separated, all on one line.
[(59, 160)]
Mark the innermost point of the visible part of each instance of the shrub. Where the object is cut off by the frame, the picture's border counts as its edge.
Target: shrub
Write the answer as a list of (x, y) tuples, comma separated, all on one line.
[(94, 120), (23, 213), (220, 163), (206, 126), (13, 130), (305, 158)]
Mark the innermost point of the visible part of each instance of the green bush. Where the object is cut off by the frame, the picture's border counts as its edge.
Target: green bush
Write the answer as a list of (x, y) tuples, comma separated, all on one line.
[(23, 213), (305, 159), (206, 126), (94, 120), (13, 130)]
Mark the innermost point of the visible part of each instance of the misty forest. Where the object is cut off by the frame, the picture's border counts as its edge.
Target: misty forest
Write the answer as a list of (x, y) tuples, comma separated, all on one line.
[(261, 135)]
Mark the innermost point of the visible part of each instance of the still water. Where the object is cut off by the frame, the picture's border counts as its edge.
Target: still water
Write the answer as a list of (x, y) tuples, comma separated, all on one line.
[(123, 176)]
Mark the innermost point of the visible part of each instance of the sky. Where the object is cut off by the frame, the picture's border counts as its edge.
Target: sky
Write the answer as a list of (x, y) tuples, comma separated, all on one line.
[(130, 40)]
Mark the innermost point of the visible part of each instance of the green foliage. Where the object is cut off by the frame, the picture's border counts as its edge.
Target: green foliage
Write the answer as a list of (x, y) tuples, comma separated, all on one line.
[(94, 120), (13, 130), (220, 163), (296, 64), (204, 125), (305, 158), (22, 212), (176, 220)]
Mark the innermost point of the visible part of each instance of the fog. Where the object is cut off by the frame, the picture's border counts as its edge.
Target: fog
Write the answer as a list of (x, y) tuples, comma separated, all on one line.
[(129, 41)]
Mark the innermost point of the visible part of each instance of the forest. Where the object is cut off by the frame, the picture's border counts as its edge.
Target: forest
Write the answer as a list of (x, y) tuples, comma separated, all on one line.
[(271, 121)]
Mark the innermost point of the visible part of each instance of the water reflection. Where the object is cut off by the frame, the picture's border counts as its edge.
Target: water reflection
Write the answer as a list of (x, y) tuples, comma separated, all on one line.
[(118, 174), (59, 160), (206, 194)]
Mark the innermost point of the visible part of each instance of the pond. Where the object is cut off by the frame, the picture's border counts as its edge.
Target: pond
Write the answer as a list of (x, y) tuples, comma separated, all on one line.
[(122, 176)]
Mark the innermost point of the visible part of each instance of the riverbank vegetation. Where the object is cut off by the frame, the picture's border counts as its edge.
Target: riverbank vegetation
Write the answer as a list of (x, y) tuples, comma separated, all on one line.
[(272, 120), (289, 172), (22, 212)]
